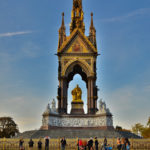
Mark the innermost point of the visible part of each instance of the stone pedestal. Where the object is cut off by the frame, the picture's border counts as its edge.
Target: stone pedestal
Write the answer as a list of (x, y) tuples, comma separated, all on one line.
[(99, 121), (77, 108), (77, 119)]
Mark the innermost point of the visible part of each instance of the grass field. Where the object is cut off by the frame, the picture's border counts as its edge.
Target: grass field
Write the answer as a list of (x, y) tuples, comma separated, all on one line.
[(13, 144)]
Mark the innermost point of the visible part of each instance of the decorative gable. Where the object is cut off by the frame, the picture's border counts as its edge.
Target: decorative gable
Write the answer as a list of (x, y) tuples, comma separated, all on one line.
[(77, 42), (78, 46)]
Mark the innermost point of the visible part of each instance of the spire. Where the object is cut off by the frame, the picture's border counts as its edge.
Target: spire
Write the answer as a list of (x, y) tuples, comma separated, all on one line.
[(62, 32), (92, 34), (77, 16), (92, 26), (63, 24)]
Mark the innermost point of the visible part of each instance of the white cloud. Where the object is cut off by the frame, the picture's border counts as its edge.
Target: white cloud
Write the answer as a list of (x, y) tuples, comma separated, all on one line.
[(10, 34), (137, 12)]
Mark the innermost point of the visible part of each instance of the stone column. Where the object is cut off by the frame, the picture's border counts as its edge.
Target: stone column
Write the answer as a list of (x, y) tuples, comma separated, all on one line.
[(59, 99), (64, 95), (92, 104), (89, 95)]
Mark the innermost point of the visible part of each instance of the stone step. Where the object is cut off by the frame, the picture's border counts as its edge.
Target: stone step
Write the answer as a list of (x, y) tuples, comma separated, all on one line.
[(76, 133)]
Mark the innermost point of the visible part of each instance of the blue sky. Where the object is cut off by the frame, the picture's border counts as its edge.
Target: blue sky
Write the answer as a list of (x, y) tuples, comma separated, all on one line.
[(28, 66)]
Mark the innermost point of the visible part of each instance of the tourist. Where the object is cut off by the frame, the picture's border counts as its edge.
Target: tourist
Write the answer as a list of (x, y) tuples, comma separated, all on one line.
[(63, 143), (21, 141), (31, 143), (96, 143), (47, 143), (78, 144), (123, 144), (39, 144), (118, 144), (104, 145), (90, 144), (105, 141), (84, 143), (127, 144)]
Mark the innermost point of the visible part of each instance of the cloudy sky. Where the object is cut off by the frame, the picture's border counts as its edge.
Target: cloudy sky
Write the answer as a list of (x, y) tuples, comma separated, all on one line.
[(28, 66)]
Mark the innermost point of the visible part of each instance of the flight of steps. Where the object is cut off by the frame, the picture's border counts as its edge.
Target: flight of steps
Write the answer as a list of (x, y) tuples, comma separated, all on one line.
[(80, 133)]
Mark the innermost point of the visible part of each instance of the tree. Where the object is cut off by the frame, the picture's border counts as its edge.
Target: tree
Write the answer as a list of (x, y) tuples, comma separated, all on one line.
[(148, 123), (8, 127), (146, 133), (137, 128), (118, 128)]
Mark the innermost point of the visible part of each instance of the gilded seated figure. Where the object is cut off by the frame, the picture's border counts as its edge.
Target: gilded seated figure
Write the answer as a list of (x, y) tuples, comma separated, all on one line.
[(77, 94)]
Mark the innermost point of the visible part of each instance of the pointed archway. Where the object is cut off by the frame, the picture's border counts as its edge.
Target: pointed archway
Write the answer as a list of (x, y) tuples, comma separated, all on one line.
[(81, 68), (77, 80)]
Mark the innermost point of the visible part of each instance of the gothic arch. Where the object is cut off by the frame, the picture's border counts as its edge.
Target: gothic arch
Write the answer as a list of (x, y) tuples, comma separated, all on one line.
[(84, 66), (77, 66)]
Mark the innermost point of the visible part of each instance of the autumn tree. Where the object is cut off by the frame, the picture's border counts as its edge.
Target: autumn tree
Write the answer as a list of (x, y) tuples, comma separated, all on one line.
[(118, 128), (148, 123), (143, 130), (146, 133), (8, 127), (137, 128)]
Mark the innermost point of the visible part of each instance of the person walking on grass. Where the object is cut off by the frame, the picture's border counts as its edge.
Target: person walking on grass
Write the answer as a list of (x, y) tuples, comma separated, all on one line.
[(90, 144), (39, 144), (21, 141), (63, 143), (96, 143), (84, 143), (123, 144), (31, 143), (47, 143), (127, 144), (118, 144)]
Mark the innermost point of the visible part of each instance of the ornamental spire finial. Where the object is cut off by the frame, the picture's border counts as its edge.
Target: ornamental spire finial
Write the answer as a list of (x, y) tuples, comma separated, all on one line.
[(92, 34), (77, 16), (62, 32)]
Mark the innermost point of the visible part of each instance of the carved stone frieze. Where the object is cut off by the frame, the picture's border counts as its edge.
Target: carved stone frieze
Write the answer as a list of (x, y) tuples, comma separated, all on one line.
[(57, 121)]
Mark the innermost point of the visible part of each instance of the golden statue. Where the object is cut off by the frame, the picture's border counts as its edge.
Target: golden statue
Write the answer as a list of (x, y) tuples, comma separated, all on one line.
[(77, 94)]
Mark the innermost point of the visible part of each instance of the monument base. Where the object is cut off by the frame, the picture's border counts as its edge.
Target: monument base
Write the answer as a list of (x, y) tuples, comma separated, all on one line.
[(97, 121)]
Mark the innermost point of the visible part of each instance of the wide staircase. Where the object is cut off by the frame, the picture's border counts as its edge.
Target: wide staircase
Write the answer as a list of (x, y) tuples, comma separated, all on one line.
[(76, 133)]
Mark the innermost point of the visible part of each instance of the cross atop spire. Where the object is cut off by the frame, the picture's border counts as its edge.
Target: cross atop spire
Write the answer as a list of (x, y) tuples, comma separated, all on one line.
[(77, 16)]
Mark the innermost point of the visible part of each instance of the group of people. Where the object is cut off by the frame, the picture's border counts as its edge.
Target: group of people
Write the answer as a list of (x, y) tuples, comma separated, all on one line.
[(39, 144), (31, 144), (82, 144), (123, 144), (91, 144)]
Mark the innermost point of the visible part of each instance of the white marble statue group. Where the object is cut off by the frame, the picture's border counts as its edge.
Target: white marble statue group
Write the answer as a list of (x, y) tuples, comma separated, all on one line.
[(102, 118), (102, 108), (51, 108)]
